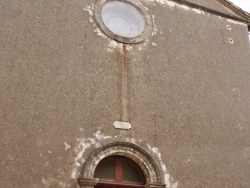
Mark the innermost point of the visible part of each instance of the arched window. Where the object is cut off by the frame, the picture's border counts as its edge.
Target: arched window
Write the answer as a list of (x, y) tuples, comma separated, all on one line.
[(119, 171), (121, 165)]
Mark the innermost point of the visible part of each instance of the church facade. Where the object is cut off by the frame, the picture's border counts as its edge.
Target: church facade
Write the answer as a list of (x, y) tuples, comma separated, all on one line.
[(124, 93)]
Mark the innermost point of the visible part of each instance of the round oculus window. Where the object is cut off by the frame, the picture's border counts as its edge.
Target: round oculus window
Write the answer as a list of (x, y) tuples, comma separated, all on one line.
[(123, 20)]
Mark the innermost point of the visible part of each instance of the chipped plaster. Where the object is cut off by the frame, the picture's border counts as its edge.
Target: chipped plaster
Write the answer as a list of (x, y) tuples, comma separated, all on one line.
[(113, 45), (64, 62), (172, 5), (82, 144), (236, 22), (67, 146), (168, 180)]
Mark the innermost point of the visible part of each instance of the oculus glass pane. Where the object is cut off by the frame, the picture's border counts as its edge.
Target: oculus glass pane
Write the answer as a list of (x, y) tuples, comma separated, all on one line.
[(123, 19)]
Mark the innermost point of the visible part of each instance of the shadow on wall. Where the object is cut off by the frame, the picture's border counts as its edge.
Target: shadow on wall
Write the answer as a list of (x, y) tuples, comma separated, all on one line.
[(249, 31)]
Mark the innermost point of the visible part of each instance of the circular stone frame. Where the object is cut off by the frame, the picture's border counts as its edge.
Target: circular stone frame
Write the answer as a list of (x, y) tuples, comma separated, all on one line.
[(128, 40)]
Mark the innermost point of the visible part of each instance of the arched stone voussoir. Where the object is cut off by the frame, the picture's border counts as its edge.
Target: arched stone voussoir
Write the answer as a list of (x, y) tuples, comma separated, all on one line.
[(154, 176)]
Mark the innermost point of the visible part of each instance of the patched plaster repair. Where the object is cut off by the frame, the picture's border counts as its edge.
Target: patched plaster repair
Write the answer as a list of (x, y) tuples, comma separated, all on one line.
[(113, 45), (61, 79), (81, 145), (96, 141)]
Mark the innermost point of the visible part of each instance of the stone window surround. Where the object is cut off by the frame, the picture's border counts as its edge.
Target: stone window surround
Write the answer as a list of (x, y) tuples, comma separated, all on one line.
[(154, 177), (148, 22)]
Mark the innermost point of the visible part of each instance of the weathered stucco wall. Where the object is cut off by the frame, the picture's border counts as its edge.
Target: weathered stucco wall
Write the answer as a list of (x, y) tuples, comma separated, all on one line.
[(61, 90)]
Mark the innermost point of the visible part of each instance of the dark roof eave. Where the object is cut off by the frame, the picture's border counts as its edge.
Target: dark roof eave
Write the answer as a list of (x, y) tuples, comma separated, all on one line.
[(236, 10), (243, 17)]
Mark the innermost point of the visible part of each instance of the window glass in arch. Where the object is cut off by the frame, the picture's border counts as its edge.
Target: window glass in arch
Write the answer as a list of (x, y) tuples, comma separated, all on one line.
[(119, 171)]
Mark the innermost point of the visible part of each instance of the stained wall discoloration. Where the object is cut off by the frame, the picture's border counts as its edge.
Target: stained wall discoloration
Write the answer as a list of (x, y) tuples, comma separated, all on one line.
[(60, 83)]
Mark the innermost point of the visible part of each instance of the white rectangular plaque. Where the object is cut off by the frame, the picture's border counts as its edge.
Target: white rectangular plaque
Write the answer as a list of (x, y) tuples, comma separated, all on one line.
[(122, 125)]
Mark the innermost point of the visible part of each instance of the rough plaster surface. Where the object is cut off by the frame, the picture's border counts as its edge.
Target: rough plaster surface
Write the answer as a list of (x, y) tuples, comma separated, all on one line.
[(60, 92), (99, 139)]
